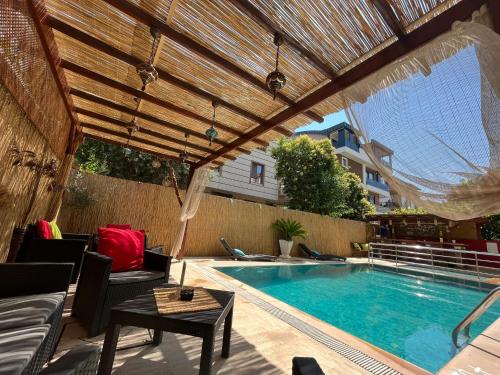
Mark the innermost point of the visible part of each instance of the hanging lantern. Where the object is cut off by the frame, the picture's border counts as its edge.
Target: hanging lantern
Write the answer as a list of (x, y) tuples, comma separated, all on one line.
[(184, 154), (276, 80), (147, 73), (146, 70), (211, 133), (156, 163), (132, 127)]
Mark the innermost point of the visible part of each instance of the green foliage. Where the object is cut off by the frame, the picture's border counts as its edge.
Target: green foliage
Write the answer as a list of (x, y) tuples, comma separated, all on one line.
[(491, 230), (357, 205), (289, 228), (78, 194), (408, 211), (314, 180), (115, 161)]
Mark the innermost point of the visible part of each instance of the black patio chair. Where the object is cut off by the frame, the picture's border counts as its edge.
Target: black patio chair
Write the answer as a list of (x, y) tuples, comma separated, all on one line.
[(305, 366), (99, 289), (251, 257), (313, 254), (32, 299), (69, 249)]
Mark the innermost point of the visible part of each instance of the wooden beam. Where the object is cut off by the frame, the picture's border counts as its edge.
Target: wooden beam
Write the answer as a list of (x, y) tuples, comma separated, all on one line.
[(134, 138), (147, 19), (150, 98), (163, 75), (132, 147), (142, 130), (417, 38), (145, 116), (390, 17), (494, 8), (38, 11), (268, 24)]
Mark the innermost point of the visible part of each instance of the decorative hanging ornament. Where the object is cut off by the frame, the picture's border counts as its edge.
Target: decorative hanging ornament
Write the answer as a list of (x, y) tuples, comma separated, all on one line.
[(146, 70), (156, 163), (184, 154), (276, 80), (211, 133), (132, 127)]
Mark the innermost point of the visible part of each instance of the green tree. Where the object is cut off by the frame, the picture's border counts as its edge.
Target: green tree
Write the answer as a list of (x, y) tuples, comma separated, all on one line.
[(110, 160), (408, 211), (491, 229), (314, 180), (357, 205)]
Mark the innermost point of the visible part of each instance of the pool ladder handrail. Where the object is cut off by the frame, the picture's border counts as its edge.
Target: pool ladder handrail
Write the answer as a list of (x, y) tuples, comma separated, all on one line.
[(475, 314)]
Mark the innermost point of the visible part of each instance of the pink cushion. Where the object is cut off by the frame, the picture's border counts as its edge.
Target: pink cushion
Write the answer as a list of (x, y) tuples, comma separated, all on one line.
[(125, 247), (119, 226), (43, 229)]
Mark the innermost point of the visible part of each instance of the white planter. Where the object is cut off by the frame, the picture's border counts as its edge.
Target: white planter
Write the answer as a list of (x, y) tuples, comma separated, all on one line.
[(285, 247)]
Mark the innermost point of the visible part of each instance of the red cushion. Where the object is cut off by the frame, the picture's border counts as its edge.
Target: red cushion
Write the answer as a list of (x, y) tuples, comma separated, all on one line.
[(119, 226), (43, 229), (125, 247)]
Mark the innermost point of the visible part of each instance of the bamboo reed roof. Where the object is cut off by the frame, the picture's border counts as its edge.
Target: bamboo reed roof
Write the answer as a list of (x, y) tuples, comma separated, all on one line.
[(223, 50)]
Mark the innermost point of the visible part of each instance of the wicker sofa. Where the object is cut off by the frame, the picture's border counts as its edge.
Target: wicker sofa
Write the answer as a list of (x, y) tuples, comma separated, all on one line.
[(99, 289), (68, 250), (32, 299)]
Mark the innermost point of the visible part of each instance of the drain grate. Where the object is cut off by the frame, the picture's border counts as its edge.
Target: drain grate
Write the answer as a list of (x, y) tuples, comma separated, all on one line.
[(359, 358)]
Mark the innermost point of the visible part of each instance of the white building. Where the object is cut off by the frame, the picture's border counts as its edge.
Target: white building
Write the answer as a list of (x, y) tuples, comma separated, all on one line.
[(249, 177), (252, 177), (352, 156)]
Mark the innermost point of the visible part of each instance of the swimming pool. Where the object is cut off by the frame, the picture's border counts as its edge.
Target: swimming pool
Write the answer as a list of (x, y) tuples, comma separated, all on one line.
[(410, 317)]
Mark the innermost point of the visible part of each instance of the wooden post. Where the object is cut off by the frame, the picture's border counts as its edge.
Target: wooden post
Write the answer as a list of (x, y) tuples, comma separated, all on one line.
[(59, 187), (61, 182), (183, 250)]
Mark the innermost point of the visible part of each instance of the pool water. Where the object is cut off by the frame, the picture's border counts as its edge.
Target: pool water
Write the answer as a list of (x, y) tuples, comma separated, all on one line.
[(410, 317)]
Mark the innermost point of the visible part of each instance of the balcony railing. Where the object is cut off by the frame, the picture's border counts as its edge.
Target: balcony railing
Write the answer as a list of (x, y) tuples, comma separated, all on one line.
[(436, 260), (377, 184)]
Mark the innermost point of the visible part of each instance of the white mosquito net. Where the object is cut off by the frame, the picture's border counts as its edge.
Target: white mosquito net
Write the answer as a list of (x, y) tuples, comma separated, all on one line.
[(190, 205), (438, 110)]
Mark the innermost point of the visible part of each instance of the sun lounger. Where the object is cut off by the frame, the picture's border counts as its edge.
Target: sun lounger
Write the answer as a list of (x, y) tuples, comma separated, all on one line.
[(235, 254), (318, 256)]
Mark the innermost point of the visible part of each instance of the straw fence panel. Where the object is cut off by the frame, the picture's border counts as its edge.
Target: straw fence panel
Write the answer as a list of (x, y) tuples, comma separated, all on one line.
[(17, 184), (245, 225), (26, 73)]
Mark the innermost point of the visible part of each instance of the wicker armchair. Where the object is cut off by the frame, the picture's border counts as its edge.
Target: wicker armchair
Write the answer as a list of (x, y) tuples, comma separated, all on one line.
[(99, 289), (68, 250), (32, 299)]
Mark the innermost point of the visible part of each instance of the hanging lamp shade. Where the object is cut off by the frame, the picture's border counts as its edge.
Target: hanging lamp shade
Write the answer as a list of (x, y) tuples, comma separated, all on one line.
[(211, 132), (156, 163), (147, 73), (146, 70), (184, 154), (276, 80)]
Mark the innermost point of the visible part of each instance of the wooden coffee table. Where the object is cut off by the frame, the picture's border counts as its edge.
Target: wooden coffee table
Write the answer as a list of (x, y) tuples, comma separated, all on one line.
[(141, 311)]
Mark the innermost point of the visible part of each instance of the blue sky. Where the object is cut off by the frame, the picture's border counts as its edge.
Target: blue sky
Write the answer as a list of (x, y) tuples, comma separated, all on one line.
[(330, 120), (430, 122)]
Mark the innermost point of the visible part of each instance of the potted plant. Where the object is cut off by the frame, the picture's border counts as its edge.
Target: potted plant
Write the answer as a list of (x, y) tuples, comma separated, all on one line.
[(288, 229)]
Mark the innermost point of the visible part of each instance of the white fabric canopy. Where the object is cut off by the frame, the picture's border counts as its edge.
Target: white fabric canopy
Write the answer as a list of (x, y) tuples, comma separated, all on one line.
[(438, 110), (190, 205)]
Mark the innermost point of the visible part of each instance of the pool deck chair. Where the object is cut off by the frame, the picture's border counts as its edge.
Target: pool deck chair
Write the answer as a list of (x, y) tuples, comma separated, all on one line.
[(317, 256), (252, 257)]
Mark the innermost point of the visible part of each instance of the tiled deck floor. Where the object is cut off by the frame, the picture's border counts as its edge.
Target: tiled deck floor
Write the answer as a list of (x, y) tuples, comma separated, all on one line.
[(261, 343)]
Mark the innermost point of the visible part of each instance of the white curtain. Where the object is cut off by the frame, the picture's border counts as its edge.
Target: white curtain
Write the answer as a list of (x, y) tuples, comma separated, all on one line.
[(438, 110), (190, 205)]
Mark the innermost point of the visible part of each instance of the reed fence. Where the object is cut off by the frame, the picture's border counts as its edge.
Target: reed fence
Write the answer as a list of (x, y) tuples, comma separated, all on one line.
[(244, 224)]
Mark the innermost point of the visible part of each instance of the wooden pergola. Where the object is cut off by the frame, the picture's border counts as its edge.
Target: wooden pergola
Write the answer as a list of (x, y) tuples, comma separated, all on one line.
[(222, 51)]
